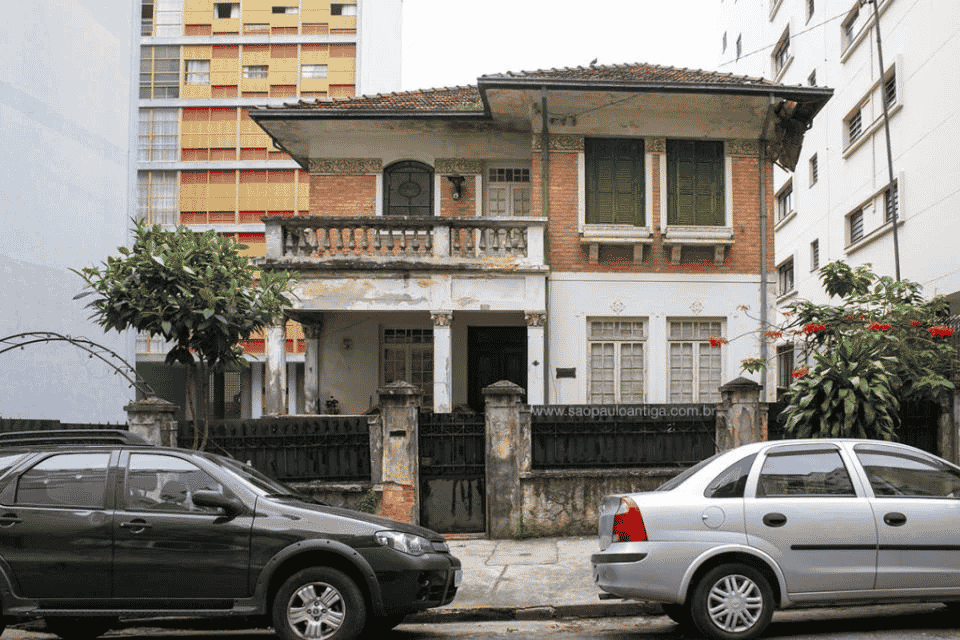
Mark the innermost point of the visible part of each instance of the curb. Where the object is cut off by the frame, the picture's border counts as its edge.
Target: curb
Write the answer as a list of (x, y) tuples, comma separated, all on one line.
[(542, 612)]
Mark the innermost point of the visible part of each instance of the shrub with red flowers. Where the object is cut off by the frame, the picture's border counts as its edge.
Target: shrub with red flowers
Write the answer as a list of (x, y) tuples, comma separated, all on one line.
[(717, 341), (880, 326), (799, 372), (940, 331)]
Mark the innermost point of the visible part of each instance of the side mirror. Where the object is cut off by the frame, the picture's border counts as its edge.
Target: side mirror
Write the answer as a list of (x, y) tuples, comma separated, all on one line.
[(213, 500)]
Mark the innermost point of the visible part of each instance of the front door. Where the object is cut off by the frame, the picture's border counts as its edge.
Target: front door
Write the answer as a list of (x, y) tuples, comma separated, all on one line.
[(164, 544), (494, 354)]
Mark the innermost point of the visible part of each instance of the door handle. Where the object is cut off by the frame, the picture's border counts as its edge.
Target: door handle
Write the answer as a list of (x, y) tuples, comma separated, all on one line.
[(895, 519), (136, 526), (774, 519), (9, 519)]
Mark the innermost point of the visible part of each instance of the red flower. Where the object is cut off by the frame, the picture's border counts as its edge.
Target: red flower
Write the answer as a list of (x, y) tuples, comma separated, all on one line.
[(814, 327), (880, 326), (716, 341), (799, 372), (770, 333), (940, 330), (918, 323)]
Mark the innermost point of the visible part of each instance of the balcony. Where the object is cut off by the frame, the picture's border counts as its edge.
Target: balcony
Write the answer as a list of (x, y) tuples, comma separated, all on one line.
[(405, 243)]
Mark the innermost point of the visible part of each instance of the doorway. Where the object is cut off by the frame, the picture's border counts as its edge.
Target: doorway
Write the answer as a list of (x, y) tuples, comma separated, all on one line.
[(494, 354)]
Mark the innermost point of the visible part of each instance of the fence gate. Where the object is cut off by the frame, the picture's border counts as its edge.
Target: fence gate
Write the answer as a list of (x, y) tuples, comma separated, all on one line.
[(452, 472)]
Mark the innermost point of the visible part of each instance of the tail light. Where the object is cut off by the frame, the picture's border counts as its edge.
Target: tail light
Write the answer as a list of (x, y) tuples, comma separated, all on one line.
[(628, 523)]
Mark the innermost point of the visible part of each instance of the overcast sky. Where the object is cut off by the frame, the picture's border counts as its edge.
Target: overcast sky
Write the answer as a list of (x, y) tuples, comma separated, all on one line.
[(452, 42)]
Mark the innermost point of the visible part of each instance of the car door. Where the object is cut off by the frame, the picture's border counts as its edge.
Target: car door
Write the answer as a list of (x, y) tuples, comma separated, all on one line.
[(917, 511), (168, 548), (809, 516), (56, 527)]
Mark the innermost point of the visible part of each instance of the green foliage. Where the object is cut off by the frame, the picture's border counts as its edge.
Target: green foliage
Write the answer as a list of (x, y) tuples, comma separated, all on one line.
[(369, 502)]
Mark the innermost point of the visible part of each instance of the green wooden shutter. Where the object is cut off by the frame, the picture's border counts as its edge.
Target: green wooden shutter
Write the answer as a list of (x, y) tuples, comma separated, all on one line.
[(695, 183), (615, 181)]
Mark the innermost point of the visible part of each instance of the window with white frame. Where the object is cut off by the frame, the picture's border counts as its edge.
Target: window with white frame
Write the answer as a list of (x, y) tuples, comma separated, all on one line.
[(855, 225), (408, 356), (854, 125), (157, 135), (256, 71), (815, 255), (785, 365), (197, 72), (157, 197), (159, 72), (313, 71), (849, 27), (889, 89), (616, 352), (161, 18), (785, 201), (785, 275), (891, 203), (226, 10), (781, 53), (508, 191), (695, 360)]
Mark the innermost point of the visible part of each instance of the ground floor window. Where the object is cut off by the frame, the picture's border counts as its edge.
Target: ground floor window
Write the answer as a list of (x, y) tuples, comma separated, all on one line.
[(695, 365), (408, 356), (616, 360)]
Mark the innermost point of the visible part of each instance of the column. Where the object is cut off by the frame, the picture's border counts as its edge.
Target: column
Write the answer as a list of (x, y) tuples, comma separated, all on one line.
[(741, 417), (312, 332), (536, 393), (276, 369), (400, 473), (504, 457), (442, 361), (154, 419)]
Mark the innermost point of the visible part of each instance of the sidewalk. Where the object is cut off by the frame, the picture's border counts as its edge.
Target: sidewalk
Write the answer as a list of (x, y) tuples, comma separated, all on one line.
[(529, 580)]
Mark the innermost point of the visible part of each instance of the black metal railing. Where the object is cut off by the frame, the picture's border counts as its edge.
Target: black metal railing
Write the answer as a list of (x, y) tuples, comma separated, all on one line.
[(452, 445)]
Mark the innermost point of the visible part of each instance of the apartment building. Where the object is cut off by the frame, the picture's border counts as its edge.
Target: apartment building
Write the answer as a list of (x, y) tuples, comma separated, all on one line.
[(840, 203), (201, 160)]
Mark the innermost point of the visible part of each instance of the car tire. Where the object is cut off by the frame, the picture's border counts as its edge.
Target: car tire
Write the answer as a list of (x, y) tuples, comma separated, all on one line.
[(679, 613), (79, 627), (732, 602), (319, 603)]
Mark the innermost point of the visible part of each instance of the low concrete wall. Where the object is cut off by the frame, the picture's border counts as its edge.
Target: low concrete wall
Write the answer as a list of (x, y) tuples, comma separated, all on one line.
[(565, 503), (348, 495)]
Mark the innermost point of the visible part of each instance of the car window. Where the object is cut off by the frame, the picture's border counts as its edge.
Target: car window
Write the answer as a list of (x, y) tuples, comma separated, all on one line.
[(8, 460), (157, 482), (733, 480), (898, 474), (65, 480), (810, 473)]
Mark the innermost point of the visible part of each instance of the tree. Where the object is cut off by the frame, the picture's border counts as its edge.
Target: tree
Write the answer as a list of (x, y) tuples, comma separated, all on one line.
[(195, 290), (881, 346)]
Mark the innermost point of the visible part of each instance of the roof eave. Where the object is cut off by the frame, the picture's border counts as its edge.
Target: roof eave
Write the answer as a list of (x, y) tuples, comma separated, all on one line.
[(357, 114)]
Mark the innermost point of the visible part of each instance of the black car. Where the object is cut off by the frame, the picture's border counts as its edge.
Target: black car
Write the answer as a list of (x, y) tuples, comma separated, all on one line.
[(95, 525)]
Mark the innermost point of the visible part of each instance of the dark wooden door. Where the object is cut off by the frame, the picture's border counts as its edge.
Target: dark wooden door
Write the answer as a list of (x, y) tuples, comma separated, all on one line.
[(494, 354)]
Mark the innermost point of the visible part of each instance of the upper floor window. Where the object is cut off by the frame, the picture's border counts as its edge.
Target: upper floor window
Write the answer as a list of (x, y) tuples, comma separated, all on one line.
[(855, 225), (616, 361), (854, 125), (785, 360), (313, 71), (849, 27), (781, 53), (810, 8), (343, 9), (785, 273), (695, 183), (197, 72), (812, 78), (157, 197), (157, 136), (785, 201), (814, 170), (508, 191), (739, 46), (256, 71), (615, 181), (891, 204), (286, 9), (889, 89), (225, 10), (159, 72), (408, 189), (815, 255), (161, 18)]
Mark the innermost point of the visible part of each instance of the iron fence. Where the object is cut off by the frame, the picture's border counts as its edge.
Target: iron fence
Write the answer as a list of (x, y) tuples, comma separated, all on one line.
[(452, 444), (331, 448)]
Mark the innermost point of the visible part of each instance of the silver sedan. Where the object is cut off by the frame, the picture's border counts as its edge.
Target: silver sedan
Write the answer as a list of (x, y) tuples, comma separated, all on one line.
[(777, 525)]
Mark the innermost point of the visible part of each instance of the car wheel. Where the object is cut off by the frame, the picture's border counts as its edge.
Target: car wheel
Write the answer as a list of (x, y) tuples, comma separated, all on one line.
[(678, 613), (320, 604), (79, 628), (732, 602)]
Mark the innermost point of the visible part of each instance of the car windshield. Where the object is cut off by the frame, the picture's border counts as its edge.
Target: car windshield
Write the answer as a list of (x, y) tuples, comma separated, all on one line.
[(683, 476), (257, 482)]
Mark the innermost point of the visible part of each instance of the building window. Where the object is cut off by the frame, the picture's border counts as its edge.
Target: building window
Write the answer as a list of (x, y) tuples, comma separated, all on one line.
[(812, 78), (724, 43), (508, 191), (287, 9), (848, 28), (197, 72), (159, 72), (785, 274), (343, 9), (256, 27), (890, 90), (854, 125), (695, 363), (785, 360), (891, 203), (408, 356), (615, 181), (226, 10), (785, 201), (408, 189), (313, 71), (616, 361), (781, 53), (815, 255), (162, 18), (814, 170), (157, 197), (695, 183), (855, 225), (256, 71), (810, 8), (157, 136), (739, 46)]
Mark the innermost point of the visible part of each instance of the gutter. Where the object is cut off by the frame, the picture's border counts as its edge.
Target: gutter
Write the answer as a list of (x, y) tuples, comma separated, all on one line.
[(764, 249), (545, 212)]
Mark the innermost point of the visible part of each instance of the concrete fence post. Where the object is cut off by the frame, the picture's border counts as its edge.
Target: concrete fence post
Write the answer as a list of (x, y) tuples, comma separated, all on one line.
[(741, 417), (400, 451), (154, 419), (504, 454)]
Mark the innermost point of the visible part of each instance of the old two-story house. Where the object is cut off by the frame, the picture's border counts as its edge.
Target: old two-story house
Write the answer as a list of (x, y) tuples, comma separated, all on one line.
[(597, 235)]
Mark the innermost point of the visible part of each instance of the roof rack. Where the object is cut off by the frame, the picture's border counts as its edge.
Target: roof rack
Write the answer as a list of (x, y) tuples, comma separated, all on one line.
[(70, 436)]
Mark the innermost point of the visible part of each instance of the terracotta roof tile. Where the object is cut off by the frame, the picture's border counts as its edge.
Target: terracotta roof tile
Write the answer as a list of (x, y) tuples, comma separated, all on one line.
[(422, 100), (629, 73)]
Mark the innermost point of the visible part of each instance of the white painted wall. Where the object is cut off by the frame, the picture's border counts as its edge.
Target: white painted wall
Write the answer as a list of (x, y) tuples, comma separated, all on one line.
[(379, 24)]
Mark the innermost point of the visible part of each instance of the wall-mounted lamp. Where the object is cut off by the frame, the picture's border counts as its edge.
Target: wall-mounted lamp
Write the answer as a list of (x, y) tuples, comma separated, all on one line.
[(457, 182)]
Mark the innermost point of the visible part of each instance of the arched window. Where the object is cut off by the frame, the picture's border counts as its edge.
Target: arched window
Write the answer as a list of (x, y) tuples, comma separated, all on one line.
[(408, 189)]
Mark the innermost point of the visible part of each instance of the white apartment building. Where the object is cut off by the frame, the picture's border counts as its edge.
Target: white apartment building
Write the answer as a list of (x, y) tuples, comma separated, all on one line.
[(837, 204)]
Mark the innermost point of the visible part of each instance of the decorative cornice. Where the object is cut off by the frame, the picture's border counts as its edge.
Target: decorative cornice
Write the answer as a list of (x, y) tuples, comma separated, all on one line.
[(458, 166), (345, 166), (535, 318), (441, 318), (743, 147), (655, 145), (559, 142)]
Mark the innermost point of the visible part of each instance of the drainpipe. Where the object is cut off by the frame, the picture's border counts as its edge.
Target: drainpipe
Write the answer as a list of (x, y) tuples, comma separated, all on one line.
[(545, 199), (764, 319)]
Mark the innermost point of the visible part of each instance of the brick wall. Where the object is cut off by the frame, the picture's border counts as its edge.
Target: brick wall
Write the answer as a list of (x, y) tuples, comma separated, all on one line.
[(398, 502), (338, 195)]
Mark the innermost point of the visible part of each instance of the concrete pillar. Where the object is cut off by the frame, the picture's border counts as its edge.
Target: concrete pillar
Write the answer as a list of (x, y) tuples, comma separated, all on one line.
[(442, 361), (256, 390), (292, 387), (503, 403), (947, 431), (536, 394), (312, 332), (400, 437), (276, 369), (154, 419), (741, 417)]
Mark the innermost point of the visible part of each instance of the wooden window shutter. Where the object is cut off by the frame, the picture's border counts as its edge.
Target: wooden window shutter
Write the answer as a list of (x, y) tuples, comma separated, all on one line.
[(695, 183), (615, 181)]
